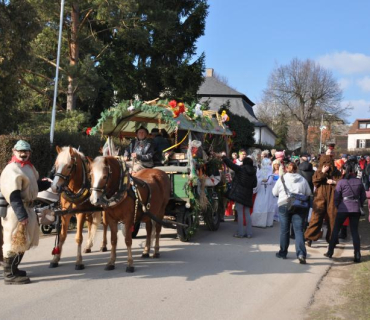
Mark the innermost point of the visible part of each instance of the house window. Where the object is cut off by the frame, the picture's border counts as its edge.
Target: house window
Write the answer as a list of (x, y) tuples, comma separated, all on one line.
[(367, 144), (361, 144), (364, 125)]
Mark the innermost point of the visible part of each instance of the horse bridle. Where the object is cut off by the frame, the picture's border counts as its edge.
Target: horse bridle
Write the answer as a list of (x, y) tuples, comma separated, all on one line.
[(66, 178), (83, 194), (117, 197)]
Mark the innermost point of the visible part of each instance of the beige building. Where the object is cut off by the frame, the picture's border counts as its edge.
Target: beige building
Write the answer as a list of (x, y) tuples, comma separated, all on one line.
[(359, 135)]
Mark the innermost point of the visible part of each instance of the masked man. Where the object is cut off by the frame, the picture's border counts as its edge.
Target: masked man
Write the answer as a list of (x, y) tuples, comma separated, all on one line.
[(19, 185), (140, 151), (324, 179)]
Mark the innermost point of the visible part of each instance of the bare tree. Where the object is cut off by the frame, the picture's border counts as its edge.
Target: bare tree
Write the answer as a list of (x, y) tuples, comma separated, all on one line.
[(222, 79), (306, 91)]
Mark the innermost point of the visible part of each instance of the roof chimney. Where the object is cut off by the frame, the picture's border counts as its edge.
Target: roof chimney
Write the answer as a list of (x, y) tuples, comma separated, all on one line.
[(209, 72)]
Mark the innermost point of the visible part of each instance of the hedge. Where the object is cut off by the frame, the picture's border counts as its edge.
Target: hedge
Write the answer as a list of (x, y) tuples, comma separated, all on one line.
[(43, 155)]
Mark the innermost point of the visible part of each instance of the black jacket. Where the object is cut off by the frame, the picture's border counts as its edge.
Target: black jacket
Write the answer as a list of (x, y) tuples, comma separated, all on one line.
[(365, 177), (242, 185), (306, 171)]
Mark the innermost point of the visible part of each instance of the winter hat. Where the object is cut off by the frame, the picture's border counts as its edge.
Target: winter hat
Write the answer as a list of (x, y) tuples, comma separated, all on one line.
[(280, 154), (22, 145)]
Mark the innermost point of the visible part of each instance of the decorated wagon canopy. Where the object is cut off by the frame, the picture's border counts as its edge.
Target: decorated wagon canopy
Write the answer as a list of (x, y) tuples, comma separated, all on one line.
[(126, 117)]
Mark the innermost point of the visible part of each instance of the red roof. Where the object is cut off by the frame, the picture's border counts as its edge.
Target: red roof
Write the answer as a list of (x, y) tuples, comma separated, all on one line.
[(355, 127)]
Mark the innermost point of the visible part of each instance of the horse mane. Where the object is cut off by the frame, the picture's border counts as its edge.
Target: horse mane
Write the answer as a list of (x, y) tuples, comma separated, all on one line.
[(64, 155)]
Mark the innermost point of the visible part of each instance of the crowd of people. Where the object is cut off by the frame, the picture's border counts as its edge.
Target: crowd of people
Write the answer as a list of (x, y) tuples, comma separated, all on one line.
[(262, 186)]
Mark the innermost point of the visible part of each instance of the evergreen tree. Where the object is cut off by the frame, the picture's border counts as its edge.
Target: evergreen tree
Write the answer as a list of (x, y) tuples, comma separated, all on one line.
[(281, 129), (18, 26), (114, 50)]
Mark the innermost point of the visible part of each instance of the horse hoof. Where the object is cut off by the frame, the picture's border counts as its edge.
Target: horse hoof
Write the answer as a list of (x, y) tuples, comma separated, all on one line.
[(130, 269), (103, 249), (87, 251), (156, 255), (145, 255), (79, 267), (53, 264), (109, 267)]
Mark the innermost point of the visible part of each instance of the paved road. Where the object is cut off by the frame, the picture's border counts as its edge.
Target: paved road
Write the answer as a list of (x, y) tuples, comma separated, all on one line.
[(214, 277)]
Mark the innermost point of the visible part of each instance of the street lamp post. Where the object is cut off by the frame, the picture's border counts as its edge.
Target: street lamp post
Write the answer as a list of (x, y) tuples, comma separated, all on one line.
[(52, 126), (322, 127)]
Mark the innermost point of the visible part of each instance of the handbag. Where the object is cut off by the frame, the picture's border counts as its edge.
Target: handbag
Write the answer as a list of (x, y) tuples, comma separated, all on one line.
[(296, 202), (354, 198)]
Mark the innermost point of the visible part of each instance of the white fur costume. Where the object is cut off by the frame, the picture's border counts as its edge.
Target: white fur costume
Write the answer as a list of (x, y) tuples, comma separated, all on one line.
[(15, 177), (264, 206)]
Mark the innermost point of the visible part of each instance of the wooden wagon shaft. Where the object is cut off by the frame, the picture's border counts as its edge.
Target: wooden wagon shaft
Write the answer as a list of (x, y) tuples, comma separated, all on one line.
[(73, 211)]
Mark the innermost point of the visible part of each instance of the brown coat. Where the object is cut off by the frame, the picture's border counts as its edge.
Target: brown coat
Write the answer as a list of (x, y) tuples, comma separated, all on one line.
[(323, 204)]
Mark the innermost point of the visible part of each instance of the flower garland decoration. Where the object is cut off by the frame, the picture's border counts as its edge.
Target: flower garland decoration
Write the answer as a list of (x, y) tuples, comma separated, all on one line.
[(177, 108)]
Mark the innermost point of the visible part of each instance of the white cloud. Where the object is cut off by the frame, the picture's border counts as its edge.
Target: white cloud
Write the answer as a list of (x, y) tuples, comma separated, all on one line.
[(364, 84), (346, 63), (361, 109), (344, 83)]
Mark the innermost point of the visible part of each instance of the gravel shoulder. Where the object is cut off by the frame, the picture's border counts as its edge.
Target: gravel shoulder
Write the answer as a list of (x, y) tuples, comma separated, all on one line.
[(344, 291)]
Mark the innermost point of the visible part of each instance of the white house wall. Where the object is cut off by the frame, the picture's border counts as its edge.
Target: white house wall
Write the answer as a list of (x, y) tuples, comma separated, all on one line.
[(352, 139), (267, 138)]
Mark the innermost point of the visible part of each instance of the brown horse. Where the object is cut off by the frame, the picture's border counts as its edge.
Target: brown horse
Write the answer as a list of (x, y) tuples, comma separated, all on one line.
[(72, 173), (127, 199)]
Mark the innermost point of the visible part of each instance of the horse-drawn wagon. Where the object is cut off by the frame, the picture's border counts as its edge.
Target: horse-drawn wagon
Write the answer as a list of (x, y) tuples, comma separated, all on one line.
[(196, 184)]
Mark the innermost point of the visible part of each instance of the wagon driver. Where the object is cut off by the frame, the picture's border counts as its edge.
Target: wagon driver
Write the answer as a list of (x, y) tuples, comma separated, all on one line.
[(140, 151), (19, 185)]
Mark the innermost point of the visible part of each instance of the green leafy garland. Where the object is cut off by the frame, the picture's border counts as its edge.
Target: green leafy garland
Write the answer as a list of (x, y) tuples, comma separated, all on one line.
[(160, 107), (194, 204)]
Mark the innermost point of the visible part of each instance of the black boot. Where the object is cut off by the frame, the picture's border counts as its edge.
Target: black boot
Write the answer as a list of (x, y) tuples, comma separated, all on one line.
[(329, 254), (10, 276), (18, 272), (343, 233), (357, 257)]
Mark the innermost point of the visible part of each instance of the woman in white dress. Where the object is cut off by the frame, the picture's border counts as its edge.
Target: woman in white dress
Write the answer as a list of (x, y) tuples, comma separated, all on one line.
[(265, 204)]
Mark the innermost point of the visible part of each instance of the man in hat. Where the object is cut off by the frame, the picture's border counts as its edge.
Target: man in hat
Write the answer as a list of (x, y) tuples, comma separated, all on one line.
[(19, 185), (140, 151)]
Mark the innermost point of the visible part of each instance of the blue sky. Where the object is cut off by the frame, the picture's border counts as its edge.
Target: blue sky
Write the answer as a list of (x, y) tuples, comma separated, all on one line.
[(245, 40)]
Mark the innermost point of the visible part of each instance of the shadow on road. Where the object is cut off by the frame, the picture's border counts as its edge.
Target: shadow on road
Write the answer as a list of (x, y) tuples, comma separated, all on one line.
[(209, 253)]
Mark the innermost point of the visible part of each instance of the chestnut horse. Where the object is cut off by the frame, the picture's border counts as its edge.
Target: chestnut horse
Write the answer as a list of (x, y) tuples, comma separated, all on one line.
[(129, 200), (72, 174)]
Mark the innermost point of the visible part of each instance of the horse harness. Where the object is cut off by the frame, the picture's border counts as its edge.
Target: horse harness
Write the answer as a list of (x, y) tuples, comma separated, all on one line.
[(83, 194), (125, 180)]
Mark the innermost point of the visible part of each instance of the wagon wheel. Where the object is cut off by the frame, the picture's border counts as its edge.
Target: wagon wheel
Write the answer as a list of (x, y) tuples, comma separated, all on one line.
[(46, 229), (212, 215), (186, 217)]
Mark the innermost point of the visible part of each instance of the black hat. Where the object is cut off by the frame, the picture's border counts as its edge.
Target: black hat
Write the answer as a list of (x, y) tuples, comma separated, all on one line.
[(304, 154), (142, 128)]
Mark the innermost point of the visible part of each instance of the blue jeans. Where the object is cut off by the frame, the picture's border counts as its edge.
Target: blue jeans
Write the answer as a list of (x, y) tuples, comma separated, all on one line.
[(297, 220)]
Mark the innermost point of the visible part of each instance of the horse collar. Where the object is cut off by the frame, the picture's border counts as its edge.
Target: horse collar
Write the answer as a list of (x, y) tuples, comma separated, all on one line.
[(83, 194), (117, 197)]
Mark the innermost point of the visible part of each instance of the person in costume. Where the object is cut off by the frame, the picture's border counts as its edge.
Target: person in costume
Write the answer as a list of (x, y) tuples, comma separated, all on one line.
[(19, 184), (139, 154), (241, 192), (265, 203), (324, 180)]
